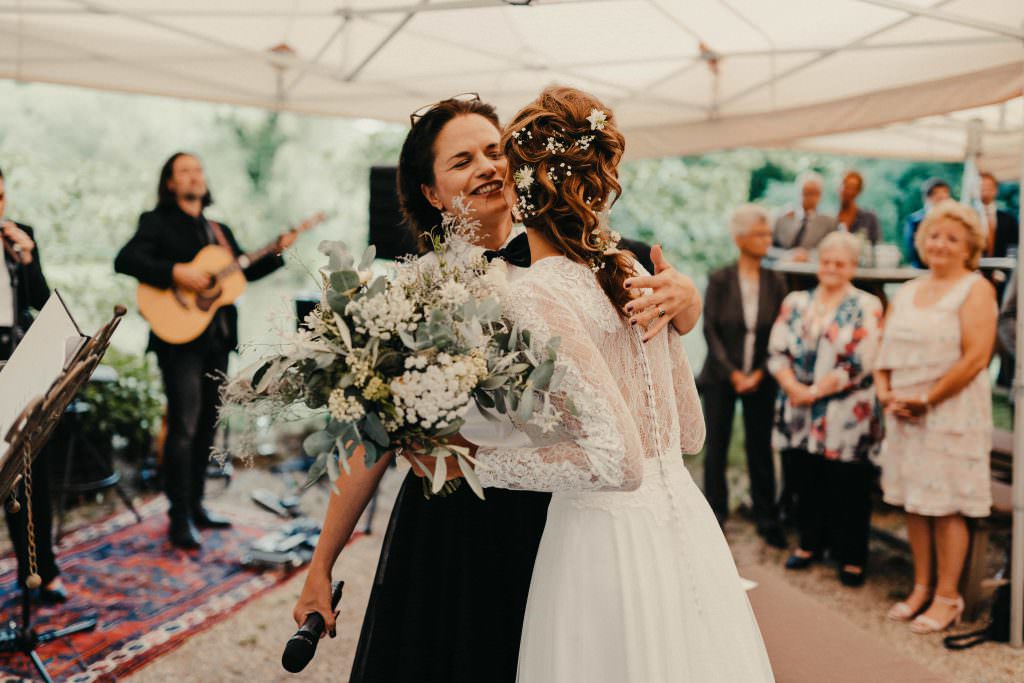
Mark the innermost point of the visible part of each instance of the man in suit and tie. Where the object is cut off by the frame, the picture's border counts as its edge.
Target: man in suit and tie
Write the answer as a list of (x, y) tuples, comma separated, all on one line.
[(801, 229), (1002, 225)]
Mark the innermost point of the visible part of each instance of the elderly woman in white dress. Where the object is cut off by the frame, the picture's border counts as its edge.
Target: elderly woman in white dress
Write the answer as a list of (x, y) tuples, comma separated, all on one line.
[(932, 380)]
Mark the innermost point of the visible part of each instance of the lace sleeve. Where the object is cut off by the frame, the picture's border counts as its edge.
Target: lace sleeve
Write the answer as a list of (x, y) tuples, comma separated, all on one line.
[(595, 447), (691, 418)]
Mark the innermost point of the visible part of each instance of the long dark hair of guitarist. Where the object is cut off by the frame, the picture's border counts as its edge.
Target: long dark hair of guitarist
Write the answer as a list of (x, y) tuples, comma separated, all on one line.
[(170, 255)]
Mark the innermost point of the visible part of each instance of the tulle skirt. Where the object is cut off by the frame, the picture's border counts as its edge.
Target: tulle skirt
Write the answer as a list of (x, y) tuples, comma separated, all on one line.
[(639, 587), (449, 596)]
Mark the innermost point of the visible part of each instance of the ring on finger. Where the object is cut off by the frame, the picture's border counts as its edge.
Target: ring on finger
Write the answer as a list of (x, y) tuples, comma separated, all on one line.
[(661, 312)]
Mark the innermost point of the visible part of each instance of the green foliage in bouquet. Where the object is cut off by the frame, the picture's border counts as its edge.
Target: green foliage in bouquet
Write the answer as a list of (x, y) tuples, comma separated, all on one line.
[(397, 361)]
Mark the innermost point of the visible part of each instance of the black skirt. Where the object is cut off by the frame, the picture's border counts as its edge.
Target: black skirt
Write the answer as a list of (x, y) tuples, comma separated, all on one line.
[(448, 600)]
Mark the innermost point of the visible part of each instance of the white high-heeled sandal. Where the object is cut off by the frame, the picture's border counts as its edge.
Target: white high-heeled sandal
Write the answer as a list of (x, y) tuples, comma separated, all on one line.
[(923, 625), (901, 610)]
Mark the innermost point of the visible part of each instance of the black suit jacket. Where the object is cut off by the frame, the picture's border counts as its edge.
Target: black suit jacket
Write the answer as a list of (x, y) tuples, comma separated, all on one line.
[(28, 282), (166, 236), (1006, 232), (724, 328)]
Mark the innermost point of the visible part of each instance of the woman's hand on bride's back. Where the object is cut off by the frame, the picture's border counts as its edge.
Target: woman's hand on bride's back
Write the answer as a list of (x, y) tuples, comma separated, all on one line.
[(316, 597)]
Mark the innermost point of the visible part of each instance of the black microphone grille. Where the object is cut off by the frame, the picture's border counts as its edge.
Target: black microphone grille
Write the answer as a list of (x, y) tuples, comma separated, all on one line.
[(298, 652)]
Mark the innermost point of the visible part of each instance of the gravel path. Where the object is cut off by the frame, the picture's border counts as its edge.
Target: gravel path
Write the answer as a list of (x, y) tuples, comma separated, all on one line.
[(246, 648)]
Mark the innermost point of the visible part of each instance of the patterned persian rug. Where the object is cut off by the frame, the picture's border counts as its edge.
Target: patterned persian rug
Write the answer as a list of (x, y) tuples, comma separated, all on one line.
[(148, 596)]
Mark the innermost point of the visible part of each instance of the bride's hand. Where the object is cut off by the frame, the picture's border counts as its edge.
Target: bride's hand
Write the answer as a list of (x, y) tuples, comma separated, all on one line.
[(673, 299), (316, 597)]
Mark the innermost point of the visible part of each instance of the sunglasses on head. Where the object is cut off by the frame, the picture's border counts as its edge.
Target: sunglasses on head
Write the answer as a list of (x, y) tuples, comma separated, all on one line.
[(427, 108)]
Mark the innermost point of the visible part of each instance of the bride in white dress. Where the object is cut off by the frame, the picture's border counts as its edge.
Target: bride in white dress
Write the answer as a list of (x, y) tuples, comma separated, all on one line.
[(634, 581)]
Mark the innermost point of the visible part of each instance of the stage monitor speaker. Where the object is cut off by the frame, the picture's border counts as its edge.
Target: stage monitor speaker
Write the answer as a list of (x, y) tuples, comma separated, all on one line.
[(388, 232)]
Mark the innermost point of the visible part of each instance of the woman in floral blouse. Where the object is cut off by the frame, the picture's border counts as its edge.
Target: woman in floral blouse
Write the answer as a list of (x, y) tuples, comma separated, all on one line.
[(822, 349)]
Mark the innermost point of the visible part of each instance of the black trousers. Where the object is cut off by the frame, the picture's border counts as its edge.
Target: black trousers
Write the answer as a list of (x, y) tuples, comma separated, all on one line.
[(192, 382), (834, 506), (42, 507), (758, 414)]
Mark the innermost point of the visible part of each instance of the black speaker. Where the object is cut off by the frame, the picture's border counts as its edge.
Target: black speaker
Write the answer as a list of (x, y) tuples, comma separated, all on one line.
[(388, 232)]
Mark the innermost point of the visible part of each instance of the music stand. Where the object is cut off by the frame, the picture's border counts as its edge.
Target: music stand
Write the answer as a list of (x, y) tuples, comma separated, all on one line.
[(25, 439)]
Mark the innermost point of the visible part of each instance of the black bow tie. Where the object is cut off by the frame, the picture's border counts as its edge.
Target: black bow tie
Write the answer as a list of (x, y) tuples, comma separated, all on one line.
[(516, 252)]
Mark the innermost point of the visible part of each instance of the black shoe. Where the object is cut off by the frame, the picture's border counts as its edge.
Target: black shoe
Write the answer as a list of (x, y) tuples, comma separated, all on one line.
[(50, 596), (851, 579), (205, 519), (184, 534), (797, 562), (773, 536)]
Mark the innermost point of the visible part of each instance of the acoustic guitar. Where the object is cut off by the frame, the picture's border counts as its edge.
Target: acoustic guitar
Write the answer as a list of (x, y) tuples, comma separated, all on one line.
[(178, 316)]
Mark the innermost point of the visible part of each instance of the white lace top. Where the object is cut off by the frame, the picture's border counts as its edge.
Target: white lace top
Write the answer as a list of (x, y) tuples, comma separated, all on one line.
[(633, 401)]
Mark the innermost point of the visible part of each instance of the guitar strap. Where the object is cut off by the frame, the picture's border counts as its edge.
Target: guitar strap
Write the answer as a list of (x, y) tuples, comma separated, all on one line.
[(218, 234)]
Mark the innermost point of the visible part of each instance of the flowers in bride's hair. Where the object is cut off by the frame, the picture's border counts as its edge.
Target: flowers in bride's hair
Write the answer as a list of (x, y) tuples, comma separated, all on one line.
[(598, 119), (554, 145), (523, 178), (585, 140)]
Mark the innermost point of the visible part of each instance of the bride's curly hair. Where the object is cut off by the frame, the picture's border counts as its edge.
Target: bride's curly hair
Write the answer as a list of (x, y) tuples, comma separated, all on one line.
[(544, 137)]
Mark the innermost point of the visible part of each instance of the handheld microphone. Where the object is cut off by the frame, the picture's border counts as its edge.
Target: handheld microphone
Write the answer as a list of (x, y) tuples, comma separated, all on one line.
[(302, 646)]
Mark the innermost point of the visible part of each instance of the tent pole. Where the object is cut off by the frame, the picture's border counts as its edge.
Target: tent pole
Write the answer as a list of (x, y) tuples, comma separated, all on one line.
[(1017, 542)]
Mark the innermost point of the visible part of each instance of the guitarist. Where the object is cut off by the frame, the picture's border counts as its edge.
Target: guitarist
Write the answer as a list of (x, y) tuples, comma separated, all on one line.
[(167, 239)]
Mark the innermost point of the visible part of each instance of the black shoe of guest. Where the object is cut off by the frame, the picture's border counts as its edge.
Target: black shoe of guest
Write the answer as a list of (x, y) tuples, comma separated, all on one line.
[(774, 536), (797, 562), (851, 579), (184, 534), (205, 519)]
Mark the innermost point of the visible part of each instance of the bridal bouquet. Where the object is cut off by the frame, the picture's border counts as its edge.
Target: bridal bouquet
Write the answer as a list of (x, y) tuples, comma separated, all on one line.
[(397, 360)]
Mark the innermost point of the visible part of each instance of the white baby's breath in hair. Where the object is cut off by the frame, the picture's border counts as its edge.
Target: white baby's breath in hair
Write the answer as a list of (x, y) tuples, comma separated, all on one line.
[(523, 177), (598, 119)]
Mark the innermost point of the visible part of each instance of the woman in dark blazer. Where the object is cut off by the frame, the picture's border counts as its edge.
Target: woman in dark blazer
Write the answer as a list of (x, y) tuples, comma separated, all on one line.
[(741, 302)]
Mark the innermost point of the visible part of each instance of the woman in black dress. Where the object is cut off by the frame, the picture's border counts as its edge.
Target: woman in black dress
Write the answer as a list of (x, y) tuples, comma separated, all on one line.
[(450, 591)]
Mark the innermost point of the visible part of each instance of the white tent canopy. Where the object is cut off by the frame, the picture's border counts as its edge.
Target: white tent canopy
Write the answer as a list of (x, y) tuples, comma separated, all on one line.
[(939, 138), (683, 77)]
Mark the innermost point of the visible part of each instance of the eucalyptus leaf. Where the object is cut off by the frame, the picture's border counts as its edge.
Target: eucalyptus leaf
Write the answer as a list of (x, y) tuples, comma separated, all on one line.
[(483, 399), (372, 454), (332, 471), (368, 256), (540, 378), (557, 377), (525, 409), (378, 286), (344, 280), (571, 406), (375, 430), (318, 443), (500, 403), (316, 470), (440, 472), (343, 330), (337, 301), (336, 253), (493, 382), (470, 475)]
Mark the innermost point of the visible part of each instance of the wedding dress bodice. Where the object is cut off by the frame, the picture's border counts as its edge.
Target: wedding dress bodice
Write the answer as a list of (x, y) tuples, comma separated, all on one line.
[(622, 403)]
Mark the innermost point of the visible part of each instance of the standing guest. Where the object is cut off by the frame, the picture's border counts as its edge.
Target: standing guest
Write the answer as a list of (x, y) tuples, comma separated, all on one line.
[(933, 191), (932, 381), (853, 218), (801, 230), (822, 352), (1002, 236), (1002, 225), (23, 288), (158, 254), (742, 302)]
